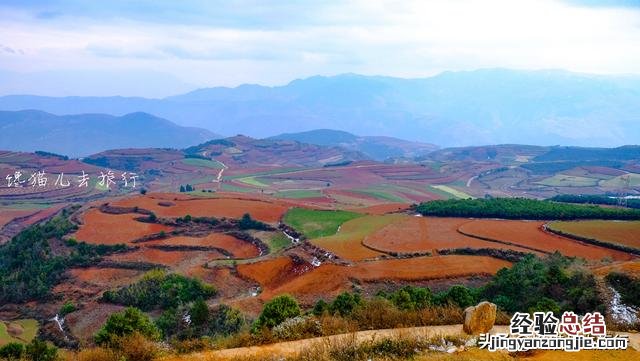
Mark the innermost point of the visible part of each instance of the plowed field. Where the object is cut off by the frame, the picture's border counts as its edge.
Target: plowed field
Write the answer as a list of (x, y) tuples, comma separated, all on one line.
[(530, 234)]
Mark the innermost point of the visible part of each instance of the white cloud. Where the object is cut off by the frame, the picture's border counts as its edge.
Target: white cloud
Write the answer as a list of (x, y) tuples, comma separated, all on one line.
[(404, 38)]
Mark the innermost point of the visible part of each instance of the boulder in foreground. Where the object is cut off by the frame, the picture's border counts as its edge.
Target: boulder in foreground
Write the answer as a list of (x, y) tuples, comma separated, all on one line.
[(479, 318)]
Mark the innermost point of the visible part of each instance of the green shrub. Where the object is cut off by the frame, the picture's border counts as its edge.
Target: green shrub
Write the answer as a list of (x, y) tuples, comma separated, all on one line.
[(157, 289), (12, 351), (125, 323), (345, 303), (39, 350), (276, 311)]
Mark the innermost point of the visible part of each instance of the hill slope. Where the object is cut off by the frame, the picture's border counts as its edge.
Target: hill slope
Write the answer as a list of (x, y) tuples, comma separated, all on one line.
[(375, 147), (80, 135)]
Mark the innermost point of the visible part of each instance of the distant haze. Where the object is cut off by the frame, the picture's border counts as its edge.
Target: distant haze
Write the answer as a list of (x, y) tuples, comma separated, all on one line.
[(492, 106)]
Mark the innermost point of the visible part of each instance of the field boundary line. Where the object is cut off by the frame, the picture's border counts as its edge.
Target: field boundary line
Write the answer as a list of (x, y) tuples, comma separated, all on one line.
[(591, 241)]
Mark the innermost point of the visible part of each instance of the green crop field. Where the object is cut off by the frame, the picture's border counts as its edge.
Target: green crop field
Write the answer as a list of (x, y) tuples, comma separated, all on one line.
[(316, 223), (382, 193), (278, 242), (253, 181), (203, 163), (620, 181), (448, 192), (299, 193), (348, 242)]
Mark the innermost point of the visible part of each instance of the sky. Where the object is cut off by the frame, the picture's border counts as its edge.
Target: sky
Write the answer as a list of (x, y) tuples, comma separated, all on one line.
[(156, 48)]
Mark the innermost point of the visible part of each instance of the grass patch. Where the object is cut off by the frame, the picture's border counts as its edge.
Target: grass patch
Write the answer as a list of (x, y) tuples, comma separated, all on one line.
[(202, 163), (28, 328), (448, 192), (348, 242), (278, 242), (233, 188), (315, 223), (253, 181), (264, 173), (299, 193), (620, 181)]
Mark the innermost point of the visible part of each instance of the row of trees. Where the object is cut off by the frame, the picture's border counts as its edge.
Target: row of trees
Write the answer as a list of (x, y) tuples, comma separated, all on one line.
[(521, 208), (594, 199)]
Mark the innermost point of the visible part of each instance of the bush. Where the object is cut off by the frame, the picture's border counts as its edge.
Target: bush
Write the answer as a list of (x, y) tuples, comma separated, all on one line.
[(246, 222), (297, 328), (276, 311), (39, 350), (67, 308), (12, 351), (409, 297), (345, 303), (137, 347), (125, 323), (533, 283), (157, 289), (458, 295)]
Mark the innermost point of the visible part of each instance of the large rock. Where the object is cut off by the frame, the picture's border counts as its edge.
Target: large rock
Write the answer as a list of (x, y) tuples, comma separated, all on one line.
[(480, 318)]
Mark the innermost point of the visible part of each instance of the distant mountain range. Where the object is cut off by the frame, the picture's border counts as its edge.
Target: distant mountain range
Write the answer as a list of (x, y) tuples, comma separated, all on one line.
[(374, 147), (84, 134), (493, 106)]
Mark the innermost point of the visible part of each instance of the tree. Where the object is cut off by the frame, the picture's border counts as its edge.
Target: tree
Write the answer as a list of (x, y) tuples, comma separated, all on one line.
[(199, 313), (460, 295), (125, 323), (320, 307), (12, 351), (38, 350), (345, 303), (143, 191), (67, 308), (276, 311)]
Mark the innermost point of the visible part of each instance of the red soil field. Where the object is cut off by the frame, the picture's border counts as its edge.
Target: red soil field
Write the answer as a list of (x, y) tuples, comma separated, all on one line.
[(228, 284), (625, 233), (427, 234), (530, 234), (329, 279), (179, 261), (239, 248), (380, 209), (208, 207), (630, 267), (102, 228), (105, 277), (7, 215), (270, 272)]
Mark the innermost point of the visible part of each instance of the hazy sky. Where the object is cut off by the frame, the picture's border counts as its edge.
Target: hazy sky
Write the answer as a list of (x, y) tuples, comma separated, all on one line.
[(157, 47)]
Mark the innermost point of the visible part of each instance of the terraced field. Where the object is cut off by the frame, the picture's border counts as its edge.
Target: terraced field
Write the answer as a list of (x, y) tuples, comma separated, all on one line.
[(625, 233), (347, 242), (308, 283), (317, 223), (169, 205), (529, 234), (409, 234)]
